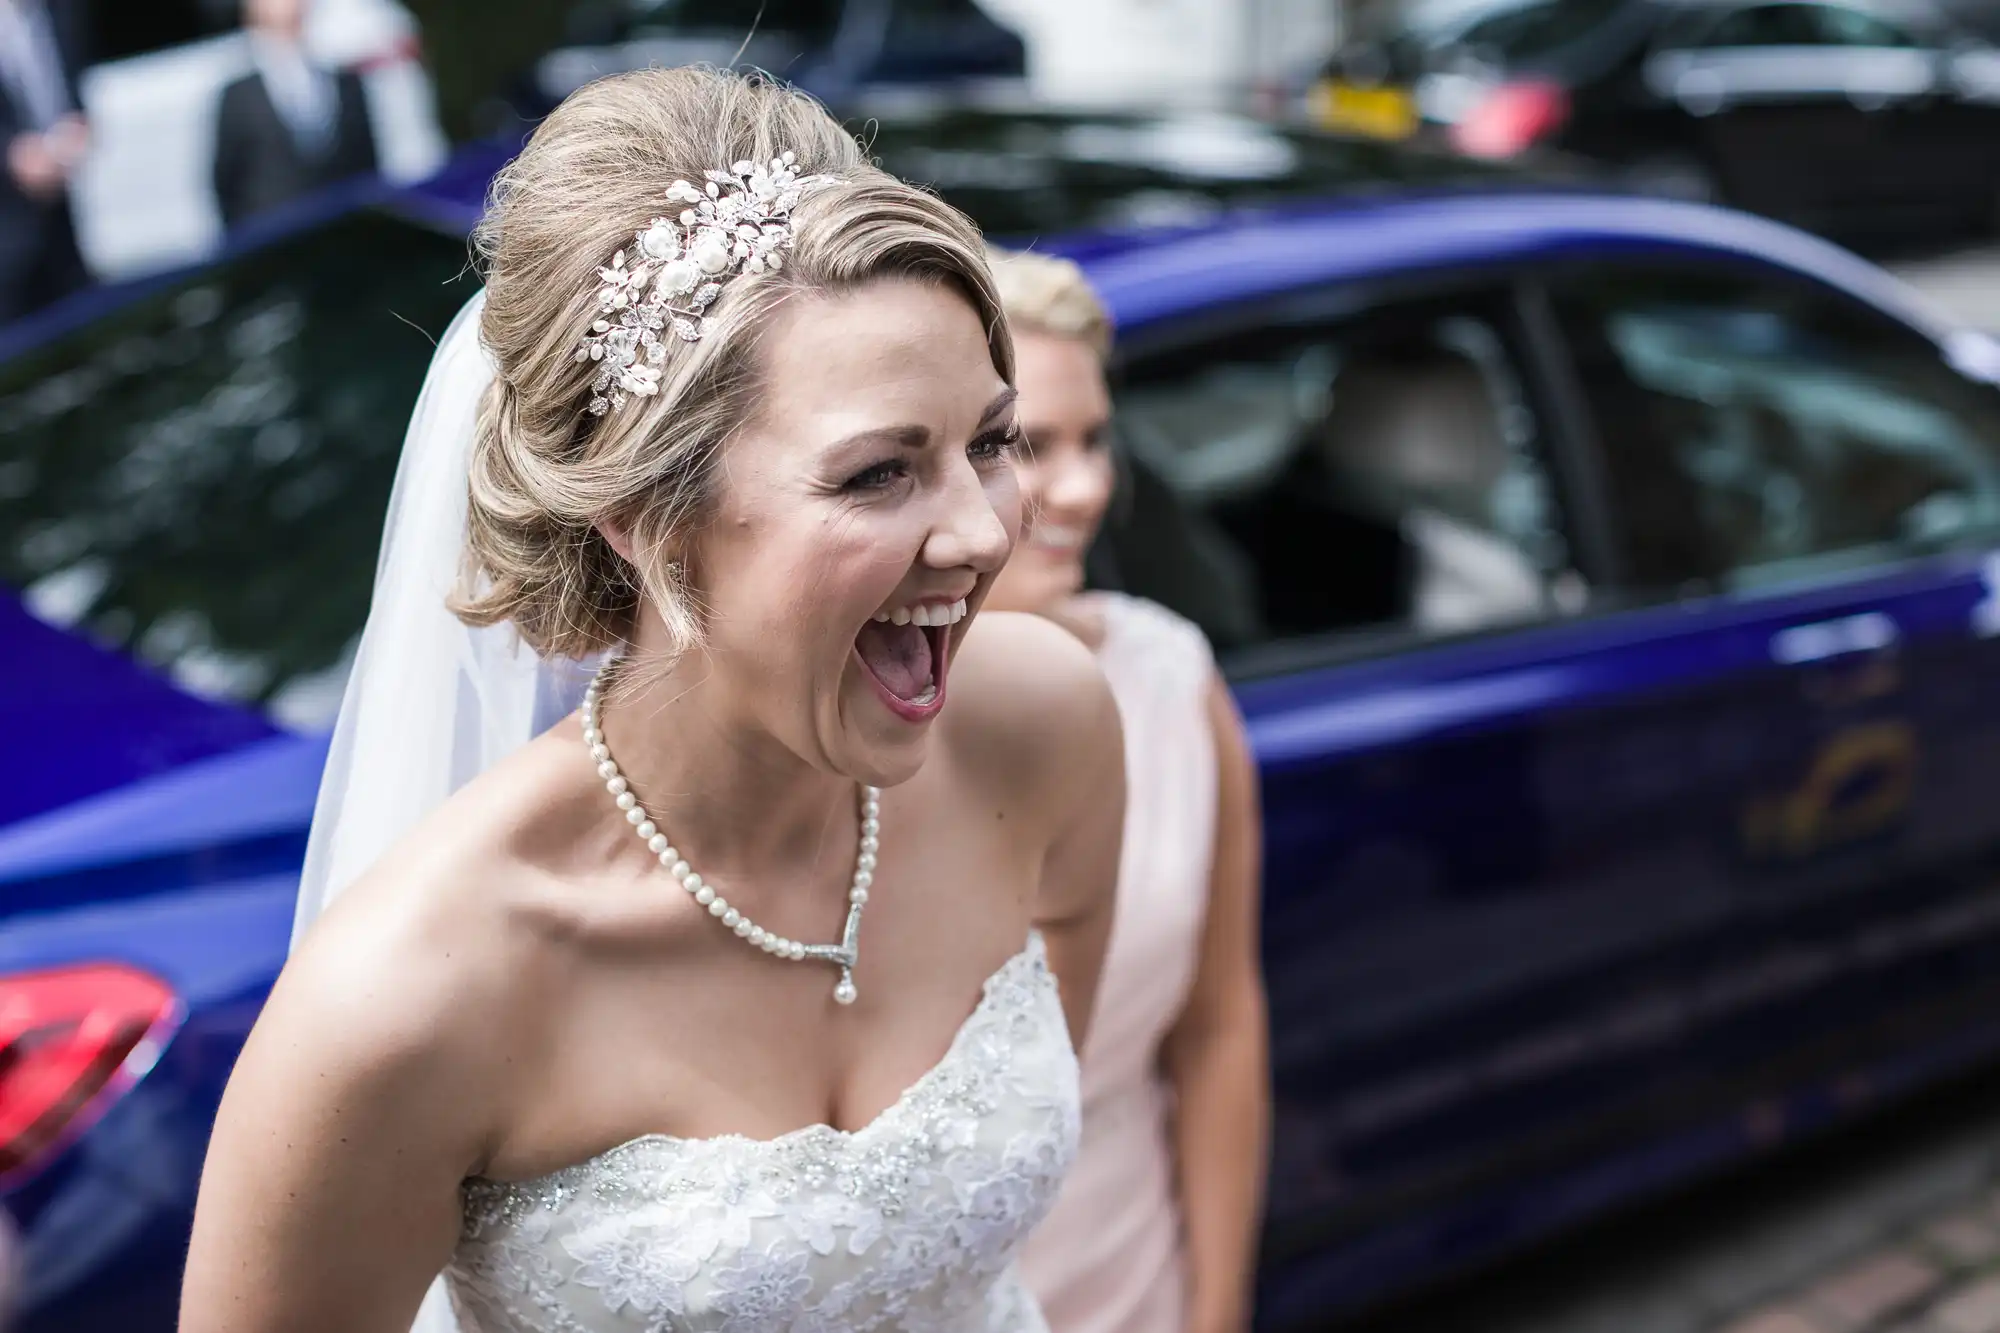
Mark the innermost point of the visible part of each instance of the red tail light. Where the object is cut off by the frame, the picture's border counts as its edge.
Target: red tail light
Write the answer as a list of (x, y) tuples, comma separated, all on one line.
[(1513, 118), (69, 1039)]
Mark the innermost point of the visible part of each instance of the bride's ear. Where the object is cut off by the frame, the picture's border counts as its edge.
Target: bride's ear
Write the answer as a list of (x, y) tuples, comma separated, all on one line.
[(620, 538)]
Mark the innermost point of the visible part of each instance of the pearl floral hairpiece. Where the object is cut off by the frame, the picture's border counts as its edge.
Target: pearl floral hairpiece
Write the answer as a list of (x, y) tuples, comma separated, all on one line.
[(738, 223)]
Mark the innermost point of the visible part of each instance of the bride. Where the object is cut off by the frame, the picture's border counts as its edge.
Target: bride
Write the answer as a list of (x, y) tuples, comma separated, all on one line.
[(728, 1000)]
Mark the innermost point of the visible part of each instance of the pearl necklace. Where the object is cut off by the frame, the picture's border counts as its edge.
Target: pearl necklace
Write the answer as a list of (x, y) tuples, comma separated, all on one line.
[(842, 955)]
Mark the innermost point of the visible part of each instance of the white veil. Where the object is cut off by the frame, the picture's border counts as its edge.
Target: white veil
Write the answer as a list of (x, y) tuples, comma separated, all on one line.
[(431, 702)]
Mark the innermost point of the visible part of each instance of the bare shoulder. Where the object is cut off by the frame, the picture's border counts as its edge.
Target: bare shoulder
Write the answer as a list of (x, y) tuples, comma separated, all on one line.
[(1039, 726), (1015, 667), (426, 978), (381, 1073), (1030, 701)]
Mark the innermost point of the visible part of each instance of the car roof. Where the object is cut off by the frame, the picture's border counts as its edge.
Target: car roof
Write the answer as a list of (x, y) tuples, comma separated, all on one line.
[(1147, 282)]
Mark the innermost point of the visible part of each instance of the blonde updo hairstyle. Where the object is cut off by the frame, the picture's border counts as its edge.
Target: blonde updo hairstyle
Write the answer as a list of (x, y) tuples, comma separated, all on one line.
[(1049, 295), (544, 472)]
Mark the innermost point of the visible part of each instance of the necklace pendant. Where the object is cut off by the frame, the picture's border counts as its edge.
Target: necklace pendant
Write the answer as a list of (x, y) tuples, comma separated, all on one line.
[(843, 955), (840, 955)]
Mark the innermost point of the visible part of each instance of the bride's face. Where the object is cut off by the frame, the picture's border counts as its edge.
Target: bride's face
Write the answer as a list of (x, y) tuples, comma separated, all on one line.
[(860, 519)]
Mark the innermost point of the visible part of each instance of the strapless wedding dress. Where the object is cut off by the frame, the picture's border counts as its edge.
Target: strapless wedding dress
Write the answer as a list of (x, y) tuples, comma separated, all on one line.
[(910, 1223)]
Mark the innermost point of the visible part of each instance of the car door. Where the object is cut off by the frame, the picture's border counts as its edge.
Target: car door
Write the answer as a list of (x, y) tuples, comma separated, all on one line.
[(1488, 800), (1566, 873), (1790, 120), (1812, 491)]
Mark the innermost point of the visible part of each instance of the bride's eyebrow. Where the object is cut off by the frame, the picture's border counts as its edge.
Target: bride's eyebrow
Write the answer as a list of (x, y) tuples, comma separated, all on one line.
[(913, 436), (897, 437), (1000, 403)]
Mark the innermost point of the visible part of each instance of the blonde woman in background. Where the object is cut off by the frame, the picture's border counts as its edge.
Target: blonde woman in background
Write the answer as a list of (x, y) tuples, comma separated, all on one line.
[(1155, 1229)]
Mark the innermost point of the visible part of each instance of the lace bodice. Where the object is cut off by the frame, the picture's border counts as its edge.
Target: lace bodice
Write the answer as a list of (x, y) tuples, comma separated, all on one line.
[(908, 1224)]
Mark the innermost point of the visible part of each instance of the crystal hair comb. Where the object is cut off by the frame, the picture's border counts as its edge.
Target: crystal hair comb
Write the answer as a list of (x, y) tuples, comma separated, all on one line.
[(738, 223)]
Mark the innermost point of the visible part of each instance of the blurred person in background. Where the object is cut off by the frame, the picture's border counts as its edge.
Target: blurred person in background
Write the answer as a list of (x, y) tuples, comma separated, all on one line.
[(290, 126), (1155, 1229), (45, 140)]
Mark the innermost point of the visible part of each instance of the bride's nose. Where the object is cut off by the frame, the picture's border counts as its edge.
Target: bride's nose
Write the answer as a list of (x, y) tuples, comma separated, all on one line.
[(968, 532)]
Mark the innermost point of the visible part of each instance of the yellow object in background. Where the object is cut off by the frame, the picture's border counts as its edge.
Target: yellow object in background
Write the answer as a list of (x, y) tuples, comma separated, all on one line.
[(1380, 113)]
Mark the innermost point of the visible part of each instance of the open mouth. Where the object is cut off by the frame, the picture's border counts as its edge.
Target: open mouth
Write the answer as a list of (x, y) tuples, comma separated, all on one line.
[(906, 653)]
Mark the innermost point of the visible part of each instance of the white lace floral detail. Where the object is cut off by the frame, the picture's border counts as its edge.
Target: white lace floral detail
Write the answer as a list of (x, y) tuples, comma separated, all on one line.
[(910, 1223)]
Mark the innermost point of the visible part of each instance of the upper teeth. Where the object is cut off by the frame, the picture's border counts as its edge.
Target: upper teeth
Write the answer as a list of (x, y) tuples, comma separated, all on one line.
[(925, 614)]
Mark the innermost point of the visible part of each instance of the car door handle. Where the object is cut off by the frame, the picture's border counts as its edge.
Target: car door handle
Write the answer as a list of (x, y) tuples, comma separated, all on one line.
[(1820, 640)]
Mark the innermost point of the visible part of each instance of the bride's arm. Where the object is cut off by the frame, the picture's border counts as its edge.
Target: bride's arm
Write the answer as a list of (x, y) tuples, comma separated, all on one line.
[(329, 1199)]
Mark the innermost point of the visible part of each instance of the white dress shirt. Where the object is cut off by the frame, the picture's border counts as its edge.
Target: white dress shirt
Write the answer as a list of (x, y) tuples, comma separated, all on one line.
[(306, 96), (30, 64)]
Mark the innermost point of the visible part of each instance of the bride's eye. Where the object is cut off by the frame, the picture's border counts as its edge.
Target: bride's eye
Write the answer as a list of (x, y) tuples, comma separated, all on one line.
[(996, 443), (879, 477)]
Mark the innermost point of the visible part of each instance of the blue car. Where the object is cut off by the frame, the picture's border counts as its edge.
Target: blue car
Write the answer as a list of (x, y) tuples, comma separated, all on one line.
[(1611, 587)]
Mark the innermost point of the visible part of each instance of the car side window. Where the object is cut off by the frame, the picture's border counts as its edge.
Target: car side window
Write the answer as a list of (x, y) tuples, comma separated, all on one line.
[(1686, 31), (1841, 26), (1757, 431), (1526, 31), (198, 476), (1767, 25), (1383, 474)]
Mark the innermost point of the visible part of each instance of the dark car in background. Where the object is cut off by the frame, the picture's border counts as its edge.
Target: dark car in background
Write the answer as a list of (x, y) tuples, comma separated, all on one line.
[(1876, 121), (834, 48), (1979, 17), (1610, 585)]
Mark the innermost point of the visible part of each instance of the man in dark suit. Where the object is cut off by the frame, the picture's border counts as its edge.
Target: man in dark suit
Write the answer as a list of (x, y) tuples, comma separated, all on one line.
[(43, 137), (290, 126)]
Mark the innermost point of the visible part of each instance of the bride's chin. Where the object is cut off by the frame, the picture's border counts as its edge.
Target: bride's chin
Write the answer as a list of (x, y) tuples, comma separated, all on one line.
[(877, 751), (886, 779), (879, 764)]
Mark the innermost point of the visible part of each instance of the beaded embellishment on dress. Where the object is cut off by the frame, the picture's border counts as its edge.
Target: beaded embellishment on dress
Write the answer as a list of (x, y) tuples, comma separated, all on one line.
[(909, 1223)]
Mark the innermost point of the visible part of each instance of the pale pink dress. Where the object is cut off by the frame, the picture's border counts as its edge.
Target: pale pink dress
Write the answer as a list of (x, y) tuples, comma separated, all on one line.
[(1108, 1259)]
